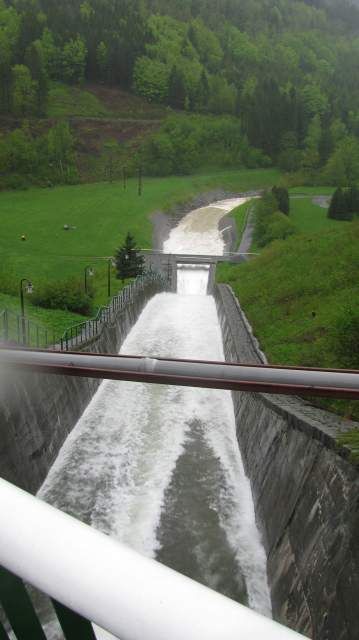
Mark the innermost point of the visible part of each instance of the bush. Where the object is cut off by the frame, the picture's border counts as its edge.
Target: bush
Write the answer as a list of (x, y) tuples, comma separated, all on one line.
[(68, 295), (278, 227)]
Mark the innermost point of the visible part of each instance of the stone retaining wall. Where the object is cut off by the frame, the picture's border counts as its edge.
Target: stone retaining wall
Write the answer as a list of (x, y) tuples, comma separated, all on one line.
[(306, 495), (38, 411)]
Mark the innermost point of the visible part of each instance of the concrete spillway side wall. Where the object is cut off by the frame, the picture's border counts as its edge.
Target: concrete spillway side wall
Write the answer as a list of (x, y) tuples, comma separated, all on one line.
[(38, 411), (306, 495)]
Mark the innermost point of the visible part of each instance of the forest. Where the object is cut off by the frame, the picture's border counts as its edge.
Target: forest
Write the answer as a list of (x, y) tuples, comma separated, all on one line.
[(281, 75)]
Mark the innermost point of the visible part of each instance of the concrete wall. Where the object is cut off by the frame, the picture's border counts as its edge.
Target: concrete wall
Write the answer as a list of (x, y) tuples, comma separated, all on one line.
[(38, 411), (306, 495)]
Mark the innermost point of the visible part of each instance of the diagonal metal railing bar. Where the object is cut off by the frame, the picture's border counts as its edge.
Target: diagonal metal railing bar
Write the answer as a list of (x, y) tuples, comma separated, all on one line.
[(194, 373), (102, 580)]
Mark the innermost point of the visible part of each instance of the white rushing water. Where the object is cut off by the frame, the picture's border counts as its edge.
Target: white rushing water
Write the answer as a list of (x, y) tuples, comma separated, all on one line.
[(159, 467)]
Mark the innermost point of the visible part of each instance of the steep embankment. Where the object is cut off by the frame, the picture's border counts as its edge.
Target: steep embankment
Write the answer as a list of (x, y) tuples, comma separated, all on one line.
[(301, 297)]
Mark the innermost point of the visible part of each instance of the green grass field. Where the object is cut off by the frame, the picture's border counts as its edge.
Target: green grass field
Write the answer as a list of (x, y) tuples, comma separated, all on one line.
[(101, 214), (294, 294), (54, 320), (309, 217)]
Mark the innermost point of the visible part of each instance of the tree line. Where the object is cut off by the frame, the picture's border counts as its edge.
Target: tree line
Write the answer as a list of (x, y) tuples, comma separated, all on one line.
[(283, 68)]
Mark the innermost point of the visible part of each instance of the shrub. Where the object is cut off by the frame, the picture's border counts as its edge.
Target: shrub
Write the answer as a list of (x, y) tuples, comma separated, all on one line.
[(66, 294), (278, 227)]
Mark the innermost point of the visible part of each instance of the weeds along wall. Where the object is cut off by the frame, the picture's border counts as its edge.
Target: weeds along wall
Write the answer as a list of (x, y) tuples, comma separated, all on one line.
[(38, 411), (305, 491)]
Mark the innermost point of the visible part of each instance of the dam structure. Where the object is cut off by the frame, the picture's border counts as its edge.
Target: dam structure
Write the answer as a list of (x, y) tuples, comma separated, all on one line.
[(158, 467)]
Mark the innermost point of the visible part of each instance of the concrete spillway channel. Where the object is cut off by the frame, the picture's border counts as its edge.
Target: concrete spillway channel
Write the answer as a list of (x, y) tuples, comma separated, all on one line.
[(158, 467)]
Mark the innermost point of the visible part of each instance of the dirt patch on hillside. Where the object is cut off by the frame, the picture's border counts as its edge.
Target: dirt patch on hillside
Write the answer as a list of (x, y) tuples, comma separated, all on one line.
[(122, 104), (92, 133)]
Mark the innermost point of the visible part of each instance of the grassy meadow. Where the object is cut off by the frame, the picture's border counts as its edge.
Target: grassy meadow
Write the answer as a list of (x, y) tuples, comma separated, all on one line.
[(298, 290), (100, 215)]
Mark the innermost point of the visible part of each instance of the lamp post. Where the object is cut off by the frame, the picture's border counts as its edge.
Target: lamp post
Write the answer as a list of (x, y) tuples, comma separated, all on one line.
[(140, 181), (29, 289), (88, 271), (110, 263)]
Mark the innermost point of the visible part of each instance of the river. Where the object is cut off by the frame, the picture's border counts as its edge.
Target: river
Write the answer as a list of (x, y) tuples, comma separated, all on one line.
[(159, 467)]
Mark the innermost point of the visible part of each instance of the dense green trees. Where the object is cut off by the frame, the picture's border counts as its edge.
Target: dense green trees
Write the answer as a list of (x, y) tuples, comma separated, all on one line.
[(284, 68), (45, 159), (183, 144), (271, 223)]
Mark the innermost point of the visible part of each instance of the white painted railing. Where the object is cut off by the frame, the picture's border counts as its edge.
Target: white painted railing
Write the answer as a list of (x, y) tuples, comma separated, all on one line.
[(132, 597)]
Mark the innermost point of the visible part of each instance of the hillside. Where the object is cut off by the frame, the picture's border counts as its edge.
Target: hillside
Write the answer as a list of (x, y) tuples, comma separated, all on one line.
[(283, 71), (301, 297)]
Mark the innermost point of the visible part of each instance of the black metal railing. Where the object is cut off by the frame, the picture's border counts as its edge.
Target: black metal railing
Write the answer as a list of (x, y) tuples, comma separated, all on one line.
[(21, 617), (81, 334), (18, 329)]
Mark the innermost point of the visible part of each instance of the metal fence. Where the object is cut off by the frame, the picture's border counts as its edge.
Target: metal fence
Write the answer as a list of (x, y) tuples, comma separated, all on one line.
[(80, 334), (17, 329)]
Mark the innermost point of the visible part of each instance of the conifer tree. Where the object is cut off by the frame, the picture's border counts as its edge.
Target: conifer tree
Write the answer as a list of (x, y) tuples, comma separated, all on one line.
[(176, 89), (282, 196), (129, 263), (338, 208)]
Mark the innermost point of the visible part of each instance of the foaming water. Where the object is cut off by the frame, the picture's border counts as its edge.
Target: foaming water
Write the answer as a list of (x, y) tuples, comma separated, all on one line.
[(159, 467), (192, 280)]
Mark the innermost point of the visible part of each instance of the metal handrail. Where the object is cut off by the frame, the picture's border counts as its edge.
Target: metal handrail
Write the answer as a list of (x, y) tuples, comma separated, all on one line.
[(193, 373), (81, 333), (12, 327), (129, 595)]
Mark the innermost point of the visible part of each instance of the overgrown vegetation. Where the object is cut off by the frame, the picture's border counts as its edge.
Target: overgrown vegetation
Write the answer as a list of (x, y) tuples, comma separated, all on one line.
[(270, 222), (47, 159), (185, 144)]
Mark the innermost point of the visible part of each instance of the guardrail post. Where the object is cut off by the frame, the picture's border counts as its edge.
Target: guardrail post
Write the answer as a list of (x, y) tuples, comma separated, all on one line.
[(14, 598), (74, 626)]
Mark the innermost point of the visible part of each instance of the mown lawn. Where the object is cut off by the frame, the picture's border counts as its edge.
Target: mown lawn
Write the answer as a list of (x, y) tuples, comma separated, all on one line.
[(100, 215), (309, 217)]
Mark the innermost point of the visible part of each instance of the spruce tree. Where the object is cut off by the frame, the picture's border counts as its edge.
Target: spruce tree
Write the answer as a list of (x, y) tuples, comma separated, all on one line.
[(338, 208), (129, 263), (176, 89), (282, 196)]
